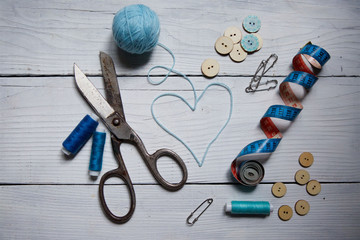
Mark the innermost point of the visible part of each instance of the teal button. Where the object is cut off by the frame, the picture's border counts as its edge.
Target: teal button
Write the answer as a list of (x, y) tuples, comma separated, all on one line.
[(250, 43), (252, 23)]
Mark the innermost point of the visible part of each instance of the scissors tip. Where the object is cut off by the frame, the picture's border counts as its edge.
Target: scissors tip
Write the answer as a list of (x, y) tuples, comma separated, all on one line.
[(103, 55)]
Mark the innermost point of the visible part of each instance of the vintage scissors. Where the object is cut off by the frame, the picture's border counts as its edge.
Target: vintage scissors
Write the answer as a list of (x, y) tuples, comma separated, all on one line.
[(112, 114)]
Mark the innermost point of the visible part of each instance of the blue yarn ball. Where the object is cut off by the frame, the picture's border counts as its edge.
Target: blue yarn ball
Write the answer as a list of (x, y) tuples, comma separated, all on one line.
[(136, 29)]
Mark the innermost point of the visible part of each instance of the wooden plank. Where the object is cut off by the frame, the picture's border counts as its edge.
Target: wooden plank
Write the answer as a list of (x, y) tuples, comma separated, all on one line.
[(73, 212), (37, 114), (47, 37)]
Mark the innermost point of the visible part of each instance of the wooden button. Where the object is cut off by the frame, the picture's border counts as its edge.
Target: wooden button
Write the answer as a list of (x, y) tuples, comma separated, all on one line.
[(302, 207), (224, 45), (278, 189), (306, 159), (260, 41), (302, 177), (285, 212), (234, 33), (210, 68), (238, 54), (313, 187)]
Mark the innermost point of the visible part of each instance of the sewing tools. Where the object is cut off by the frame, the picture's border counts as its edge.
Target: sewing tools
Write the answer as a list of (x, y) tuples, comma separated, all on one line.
[(250, 173), (127, 24), (136, 29), (192, 107), (97, 151), (302, 207), (262, 149), (250, 43), (302, 177), (208, 202), (278, 189), (285, 212), (249, 207), (79, 136), (112, 114), (236, 45), (252, 23), (259, 73)]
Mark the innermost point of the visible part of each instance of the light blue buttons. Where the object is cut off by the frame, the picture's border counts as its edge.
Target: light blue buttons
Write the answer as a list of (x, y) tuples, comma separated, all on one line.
[(250, 43), (252, 23)]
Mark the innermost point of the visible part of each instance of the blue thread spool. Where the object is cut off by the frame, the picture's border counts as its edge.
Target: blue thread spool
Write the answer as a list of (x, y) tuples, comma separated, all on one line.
[(249, 207), (97, 151), (136, 29), (79, 136)]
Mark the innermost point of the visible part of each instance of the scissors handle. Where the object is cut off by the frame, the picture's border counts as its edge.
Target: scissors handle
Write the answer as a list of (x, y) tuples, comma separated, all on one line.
[(151, 162), (122, 173)]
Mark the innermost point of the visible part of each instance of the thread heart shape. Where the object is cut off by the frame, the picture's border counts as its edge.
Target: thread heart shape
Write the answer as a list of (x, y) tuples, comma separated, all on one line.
[(193, 108)]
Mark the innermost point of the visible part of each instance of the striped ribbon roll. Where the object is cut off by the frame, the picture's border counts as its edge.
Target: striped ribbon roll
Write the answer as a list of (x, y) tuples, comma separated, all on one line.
[(306, 63)]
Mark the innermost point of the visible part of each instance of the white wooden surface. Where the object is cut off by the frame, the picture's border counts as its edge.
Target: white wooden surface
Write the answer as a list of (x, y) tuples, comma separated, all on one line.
[(45, 196)]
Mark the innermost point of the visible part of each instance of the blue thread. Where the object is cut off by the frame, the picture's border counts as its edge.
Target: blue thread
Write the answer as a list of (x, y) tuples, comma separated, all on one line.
[(249, 207), (136, 29), (97, 151), (193, 108), (79, 136)]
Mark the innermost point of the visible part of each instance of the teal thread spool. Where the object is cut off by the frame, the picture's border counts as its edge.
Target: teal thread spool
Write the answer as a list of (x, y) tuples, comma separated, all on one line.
[(97, 152), (249, 207), (79, 136)]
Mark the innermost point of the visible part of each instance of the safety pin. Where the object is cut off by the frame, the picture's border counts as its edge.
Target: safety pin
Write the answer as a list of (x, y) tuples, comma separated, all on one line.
[(257, 78), (209, 201), (249, 89)]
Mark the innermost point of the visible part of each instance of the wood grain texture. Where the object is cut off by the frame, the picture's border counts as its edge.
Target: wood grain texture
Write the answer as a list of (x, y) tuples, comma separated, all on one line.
[(43, 195), (47, 37), (73, 212), (48, 112)]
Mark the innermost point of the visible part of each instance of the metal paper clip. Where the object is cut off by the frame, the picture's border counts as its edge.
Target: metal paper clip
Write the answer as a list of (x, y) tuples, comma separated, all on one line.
[(209, 201), (255, 80)]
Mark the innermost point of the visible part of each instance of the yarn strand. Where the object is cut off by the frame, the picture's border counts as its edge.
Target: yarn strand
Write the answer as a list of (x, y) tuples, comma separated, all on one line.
[(192, 107)]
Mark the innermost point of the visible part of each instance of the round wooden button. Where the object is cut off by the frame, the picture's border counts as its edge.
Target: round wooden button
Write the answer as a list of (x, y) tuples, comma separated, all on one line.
[(238, 54), (224, 45), (302, 177), (210, 68), (285, 212), (313, 187), (306, 159), (260, 41), (302, 207), (234, 33), (278, 189)]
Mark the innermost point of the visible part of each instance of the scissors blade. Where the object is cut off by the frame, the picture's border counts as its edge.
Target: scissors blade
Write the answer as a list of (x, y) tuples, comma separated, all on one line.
[(92, 95), (111, 84)]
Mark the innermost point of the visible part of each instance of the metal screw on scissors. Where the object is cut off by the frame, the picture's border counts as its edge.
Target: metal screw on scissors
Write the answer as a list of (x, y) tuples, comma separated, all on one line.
[(112, 114)]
